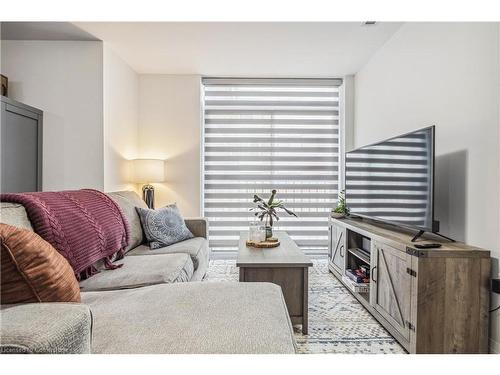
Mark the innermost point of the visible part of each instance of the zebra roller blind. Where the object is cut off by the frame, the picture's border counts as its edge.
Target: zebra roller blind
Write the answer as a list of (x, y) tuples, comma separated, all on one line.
[(264, 134)]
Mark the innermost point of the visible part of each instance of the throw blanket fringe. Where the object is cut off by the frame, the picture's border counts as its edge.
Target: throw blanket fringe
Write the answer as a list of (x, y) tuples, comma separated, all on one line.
[(111, 266), (85, 226)]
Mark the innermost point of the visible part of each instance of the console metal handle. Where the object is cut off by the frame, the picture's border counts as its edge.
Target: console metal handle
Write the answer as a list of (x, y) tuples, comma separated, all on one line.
[(372, 274), (342, 253)]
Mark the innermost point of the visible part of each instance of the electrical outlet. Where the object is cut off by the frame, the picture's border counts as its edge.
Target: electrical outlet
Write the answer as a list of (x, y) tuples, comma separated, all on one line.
[(495, 286)]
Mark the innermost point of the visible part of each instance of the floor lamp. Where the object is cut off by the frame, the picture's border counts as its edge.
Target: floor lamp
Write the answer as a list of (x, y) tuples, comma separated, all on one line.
[(147, 171)]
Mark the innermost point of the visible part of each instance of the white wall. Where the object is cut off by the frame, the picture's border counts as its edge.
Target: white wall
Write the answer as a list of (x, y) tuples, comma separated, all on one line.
[(495, 300), (445, 74), (170, 118), (121, 121), (64, 79)]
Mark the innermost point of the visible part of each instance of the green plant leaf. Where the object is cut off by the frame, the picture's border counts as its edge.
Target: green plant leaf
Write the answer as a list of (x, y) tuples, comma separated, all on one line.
[(341, 204), (256, 199), (271, 198), (291, 213)]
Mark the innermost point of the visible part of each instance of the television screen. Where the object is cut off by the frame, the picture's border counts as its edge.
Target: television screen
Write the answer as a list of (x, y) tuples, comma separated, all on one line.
[(392, 180)]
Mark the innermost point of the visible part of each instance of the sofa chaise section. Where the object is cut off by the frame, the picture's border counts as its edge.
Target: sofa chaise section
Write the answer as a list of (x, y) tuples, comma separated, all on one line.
[(146, 307), (196, 317), (45, 328)]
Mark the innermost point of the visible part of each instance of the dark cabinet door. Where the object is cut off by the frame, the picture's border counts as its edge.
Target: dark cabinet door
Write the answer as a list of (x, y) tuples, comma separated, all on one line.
[(21, 143)]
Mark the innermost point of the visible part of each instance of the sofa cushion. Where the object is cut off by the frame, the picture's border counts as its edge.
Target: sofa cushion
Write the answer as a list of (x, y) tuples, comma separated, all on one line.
[(128, 201), (196, 247), (46, 328), (163, 227), (14, 214), (196, 317), (32, 270), (140, 271)]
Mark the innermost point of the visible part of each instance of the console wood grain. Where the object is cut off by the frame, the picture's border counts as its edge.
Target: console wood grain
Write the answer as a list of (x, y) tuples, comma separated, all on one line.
[(430, 300)]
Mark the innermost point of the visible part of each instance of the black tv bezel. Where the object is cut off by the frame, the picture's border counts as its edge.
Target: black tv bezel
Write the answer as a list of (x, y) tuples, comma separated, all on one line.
[(432, 128)]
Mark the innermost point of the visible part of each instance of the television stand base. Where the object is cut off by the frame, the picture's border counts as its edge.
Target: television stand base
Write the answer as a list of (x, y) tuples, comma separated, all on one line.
[(415, 283), (420, 232)]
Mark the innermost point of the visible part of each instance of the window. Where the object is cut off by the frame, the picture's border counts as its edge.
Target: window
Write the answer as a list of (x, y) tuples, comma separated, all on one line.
[(264, 134)]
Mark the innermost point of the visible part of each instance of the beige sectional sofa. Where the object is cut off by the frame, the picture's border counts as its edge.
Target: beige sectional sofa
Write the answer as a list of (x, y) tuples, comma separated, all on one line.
[(155, 303)]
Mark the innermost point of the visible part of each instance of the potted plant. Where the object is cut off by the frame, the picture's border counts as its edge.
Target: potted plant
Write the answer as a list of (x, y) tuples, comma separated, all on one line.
[(341, 210), (267, 210)]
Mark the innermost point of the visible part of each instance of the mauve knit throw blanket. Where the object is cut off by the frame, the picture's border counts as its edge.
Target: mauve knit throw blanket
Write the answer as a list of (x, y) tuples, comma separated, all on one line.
[(85, 226)]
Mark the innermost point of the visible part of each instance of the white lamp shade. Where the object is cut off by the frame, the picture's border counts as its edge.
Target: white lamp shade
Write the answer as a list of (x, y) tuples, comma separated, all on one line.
[(148, 170)]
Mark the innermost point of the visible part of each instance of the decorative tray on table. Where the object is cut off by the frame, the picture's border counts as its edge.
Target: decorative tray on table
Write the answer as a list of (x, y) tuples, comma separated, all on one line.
[(268, 243)]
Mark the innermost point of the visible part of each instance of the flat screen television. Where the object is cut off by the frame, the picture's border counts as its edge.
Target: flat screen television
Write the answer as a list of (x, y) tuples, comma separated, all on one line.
[(393, 180)]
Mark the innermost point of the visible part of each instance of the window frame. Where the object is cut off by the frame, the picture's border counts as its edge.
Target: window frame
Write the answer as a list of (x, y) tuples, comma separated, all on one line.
[(342, 133)]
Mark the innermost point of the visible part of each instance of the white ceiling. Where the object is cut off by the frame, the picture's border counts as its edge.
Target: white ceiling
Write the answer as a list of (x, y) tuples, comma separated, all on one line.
[(43, 31), (292, 49)]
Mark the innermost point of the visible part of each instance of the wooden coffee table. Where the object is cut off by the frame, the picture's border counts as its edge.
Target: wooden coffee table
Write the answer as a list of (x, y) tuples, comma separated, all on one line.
[(285, 266)]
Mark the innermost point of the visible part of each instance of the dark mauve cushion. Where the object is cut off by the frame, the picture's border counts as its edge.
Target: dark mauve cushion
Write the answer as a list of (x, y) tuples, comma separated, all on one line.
[(32, 270), (163, 227)]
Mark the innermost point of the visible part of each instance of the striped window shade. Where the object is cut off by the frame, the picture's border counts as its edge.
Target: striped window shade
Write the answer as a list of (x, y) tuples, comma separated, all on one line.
[(264, 134)]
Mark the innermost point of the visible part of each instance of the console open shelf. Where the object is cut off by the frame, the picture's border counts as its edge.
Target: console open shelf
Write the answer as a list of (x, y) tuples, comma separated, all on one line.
[(358, 253)]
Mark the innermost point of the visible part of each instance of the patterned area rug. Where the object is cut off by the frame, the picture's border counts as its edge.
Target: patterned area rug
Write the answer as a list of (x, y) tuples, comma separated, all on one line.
[(338, 323)]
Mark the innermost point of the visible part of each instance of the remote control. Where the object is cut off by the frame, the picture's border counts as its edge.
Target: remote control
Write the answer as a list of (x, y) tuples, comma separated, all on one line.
[(427, 246)]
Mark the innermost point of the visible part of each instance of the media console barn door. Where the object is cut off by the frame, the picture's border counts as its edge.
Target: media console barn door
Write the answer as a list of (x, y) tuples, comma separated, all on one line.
[(337, 247), (430, 300), (390, 289)]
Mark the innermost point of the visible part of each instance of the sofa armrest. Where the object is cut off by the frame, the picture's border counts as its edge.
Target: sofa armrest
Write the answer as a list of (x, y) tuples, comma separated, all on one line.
[(46, 328), (198, 226)]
